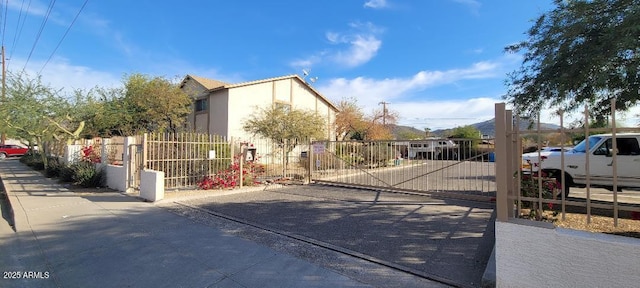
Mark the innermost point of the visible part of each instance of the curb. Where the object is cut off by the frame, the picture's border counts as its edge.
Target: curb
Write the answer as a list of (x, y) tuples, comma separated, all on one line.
[(489, 276), (6, 203), (12, 200)]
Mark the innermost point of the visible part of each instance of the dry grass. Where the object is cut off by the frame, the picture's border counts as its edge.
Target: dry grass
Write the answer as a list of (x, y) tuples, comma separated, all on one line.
[(597, 223), (600, 224)]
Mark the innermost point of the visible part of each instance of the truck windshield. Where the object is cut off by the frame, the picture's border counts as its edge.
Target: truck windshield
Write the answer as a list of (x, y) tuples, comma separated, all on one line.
[(582, 146)]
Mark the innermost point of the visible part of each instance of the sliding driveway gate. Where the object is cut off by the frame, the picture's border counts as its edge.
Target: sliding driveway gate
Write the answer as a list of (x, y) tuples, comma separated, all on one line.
[(457, 168)]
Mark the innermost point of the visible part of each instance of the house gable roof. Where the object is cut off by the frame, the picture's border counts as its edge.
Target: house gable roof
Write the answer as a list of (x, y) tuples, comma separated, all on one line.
[(213, 85), (208, 84)]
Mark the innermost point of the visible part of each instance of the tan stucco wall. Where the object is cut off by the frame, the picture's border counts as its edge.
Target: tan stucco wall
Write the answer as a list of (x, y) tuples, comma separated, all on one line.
[(218, 117), (195, 122), (230, 108), (200, 123)]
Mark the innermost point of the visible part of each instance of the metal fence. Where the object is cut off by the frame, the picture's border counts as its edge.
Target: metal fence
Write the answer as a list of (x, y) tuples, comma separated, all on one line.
[(460, 168), (521, 187), (187, 158), (114, 149)]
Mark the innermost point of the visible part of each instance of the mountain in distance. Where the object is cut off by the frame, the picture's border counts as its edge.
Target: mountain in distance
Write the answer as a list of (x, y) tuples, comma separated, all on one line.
[(486, 128), (401, 132), (489, 127)]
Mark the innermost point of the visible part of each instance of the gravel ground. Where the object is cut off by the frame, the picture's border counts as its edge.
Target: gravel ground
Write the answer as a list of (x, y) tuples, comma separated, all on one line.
[(443, 239)]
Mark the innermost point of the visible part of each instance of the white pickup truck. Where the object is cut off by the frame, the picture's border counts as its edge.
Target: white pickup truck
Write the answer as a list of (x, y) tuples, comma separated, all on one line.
[(600, 159)]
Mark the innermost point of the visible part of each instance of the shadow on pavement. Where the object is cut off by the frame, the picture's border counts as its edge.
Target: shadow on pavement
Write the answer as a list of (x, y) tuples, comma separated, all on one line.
[(448, 239)]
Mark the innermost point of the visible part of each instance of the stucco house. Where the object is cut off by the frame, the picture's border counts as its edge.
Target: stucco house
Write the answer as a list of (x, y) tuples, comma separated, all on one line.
[(222, 108)]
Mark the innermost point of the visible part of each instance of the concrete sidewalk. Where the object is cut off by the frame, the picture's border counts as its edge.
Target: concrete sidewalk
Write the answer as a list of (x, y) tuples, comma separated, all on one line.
[(63, 239)]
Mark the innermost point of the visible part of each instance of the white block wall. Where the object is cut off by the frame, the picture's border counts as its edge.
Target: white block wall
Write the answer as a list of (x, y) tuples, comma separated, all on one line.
[(535, 254), (152, 185), (116, 177)]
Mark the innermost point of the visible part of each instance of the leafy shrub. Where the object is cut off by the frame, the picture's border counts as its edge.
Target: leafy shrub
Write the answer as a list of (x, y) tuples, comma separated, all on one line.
[(66, 173), (53, 168), (86, 174), (33, 159), (230, 177)]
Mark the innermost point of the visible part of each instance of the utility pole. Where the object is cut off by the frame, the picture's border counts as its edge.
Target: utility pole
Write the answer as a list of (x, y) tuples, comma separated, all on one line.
[(384, 112), (3, 138)]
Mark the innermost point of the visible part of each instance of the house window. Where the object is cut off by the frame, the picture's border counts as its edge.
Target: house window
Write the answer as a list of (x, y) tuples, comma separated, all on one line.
[(201, 105)]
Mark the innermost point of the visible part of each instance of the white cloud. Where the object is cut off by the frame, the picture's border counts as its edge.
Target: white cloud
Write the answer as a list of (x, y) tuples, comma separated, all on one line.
[(376, 90), (441, 114), (363, 49), (375, 4), (435, 114), (61, 74), (354, 48)]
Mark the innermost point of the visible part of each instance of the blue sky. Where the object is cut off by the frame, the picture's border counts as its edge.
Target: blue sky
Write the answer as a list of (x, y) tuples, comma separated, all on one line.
[(439, 63)]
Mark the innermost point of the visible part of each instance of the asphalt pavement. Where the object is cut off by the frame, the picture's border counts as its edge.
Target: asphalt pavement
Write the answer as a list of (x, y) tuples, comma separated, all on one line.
[(52, 237)]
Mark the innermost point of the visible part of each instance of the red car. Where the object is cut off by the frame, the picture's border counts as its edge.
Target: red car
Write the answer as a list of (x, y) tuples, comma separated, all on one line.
[(10, 150)]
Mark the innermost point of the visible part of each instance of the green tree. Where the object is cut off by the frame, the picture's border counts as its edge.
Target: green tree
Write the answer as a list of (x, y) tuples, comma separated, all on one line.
[(143, 104), (155, 103), (469, 137), (108, 114), (35, 113), (581, 52), (280, 123)]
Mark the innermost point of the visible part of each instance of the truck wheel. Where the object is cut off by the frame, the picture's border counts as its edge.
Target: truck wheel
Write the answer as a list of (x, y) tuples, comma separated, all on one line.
[(567, 184), (3, 156)]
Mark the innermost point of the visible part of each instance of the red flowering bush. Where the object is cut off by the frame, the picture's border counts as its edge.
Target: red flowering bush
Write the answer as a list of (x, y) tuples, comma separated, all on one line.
[(529, 188), (230, 177), (90, 154)]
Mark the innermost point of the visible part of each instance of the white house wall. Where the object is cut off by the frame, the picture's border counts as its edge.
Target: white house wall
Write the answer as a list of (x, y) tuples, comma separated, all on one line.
[(282, 91), (306, 99), (231, 106), (244, 102)]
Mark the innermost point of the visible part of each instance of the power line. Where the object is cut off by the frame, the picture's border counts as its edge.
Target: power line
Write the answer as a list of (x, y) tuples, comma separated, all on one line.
[(63, 36), (4, 21), (19, 27), (44, 22)]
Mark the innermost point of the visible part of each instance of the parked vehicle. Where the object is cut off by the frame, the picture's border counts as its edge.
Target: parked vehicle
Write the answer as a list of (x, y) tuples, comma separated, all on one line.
[(432, 149), (11, 150), (598, 156)]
